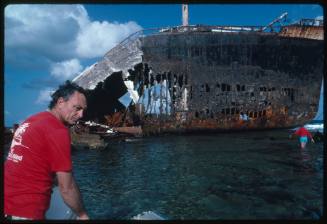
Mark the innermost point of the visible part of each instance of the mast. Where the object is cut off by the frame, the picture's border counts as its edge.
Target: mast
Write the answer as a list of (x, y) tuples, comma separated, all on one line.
[(185, 14)]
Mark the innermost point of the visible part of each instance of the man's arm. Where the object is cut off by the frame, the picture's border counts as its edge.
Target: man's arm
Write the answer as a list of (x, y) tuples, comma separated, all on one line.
[(71, 194)]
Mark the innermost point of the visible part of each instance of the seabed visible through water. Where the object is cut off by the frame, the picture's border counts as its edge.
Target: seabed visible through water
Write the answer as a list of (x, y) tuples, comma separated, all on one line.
[(246, 175)]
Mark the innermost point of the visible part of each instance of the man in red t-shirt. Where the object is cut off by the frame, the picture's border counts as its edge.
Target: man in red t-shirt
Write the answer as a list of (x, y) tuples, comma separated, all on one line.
[(40, 151), (303, 134)]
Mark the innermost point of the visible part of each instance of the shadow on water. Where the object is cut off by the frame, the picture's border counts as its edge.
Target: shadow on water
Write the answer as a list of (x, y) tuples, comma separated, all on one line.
[(255, 175)]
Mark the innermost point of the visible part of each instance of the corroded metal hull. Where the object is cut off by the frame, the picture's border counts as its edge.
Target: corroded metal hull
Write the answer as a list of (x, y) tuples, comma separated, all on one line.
[(196, 80), (218, 80)]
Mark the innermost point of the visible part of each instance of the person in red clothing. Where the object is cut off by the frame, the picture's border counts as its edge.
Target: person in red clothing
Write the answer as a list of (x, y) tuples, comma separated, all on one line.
[(40, 151), (303, 134)]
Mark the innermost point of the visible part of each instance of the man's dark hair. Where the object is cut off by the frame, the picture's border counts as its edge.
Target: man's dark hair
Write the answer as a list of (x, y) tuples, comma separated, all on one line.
[(65, 91)]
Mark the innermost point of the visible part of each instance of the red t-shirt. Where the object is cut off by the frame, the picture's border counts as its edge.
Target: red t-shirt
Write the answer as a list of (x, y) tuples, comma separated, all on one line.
[(40, 148), (302, 132)]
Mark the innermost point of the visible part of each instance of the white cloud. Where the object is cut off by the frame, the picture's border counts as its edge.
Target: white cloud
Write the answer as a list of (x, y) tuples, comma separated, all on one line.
[(44, 96), (59, 32), (66, 69), (96, 38), (43, 30)]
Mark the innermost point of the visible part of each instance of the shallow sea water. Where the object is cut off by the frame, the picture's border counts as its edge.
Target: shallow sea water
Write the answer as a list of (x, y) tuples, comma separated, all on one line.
[(233, 176)]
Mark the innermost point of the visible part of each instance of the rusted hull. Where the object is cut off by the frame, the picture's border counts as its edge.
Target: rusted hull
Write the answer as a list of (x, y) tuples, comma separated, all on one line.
[(315, 32), (220, 81)]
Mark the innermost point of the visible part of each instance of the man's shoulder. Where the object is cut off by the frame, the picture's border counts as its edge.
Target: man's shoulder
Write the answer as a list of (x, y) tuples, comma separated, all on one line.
[(45, 120), (38, 116)]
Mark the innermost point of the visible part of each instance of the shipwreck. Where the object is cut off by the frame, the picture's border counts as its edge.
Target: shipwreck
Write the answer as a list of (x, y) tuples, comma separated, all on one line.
[(209, 78)]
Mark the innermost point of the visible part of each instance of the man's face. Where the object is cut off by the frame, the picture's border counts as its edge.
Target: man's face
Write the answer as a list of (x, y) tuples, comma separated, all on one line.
[(72, 109)]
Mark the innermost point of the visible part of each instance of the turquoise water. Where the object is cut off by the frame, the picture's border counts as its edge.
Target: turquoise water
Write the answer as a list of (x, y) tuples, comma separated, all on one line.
[(253, 175)]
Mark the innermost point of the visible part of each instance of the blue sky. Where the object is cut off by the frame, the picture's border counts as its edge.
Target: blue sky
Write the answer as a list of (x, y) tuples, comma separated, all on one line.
[(47, 44)]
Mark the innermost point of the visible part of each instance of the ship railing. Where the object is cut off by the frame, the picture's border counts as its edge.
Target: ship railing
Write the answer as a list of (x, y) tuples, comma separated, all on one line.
[(310, 22), (133, 37), (206, 28), (130, 43), (138, 34), (199, 28), (179, 29)]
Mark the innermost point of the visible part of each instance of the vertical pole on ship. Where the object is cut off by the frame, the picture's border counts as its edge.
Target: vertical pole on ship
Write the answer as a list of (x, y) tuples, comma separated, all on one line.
[(185, 14)]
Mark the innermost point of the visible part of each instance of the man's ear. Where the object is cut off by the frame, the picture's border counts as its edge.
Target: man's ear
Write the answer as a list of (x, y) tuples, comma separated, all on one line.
[(60, 101)]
